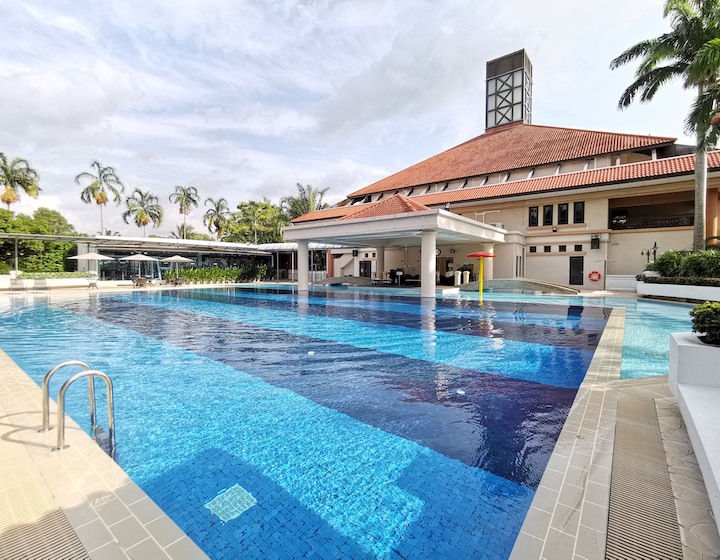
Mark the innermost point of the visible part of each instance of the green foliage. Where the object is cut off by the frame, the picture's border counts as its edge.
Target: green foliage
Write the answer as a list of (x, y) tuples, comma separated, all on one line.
[(144, 208), (679, 280), (307, 200), (699, 264), (256, 222), (706, 320), (217, 275), (34, 256), (16, 175), (46, 275)]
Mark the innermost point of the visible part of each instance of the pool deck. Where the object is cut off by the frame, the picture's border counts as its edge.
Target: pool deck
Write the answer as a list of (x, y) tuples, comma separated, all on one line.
[(80, 504)]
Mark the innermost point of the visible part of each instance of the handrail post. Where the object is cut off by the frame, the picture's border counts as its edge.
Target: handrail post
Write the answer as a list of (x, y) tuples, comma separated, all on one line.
[(46, 393), (91, 374)]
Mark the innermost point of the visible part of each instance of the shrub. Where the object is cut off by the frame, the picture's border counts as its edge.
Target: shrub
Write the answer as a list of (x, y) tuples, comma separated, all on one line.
[(669, 263), (46, 275), (679, 280), (706, 319), (701, 264)]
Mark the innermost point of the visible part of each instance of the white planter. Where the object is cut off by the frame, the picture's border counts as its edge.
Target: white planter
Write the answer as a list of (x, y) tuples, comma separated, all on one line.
[(692, 362), (700, 293)]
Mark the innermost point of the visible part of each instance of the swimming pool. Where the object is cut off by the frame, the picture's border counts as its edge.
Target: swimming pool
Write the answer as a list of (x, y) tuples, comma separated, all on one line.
[(346, 424)]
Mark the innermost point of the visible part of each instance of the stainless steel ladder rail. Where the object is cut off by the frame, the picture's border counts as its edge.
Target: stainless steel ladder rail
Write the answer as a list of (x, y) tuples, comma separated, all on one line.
[(46, 427), (91, 375)]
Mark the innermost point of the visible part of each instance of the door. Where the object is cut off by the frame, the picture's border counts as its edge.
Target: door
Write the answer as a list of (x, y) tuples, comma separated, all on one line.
[(576, 271), (365, 269)]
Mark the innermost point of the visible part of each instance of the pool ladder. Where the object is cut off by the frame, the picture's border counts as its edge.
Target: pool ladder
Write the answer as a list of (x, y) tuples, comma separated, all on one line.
[(108, 442)]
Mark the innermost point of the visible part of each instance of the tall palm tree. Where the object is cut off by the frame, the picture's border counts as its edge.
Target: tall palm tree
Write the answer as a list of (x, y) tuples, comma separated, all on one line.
[(98, 183), (216, 217), (307, 200), (681, 53), (144, 208), (183, 231), (16, 176), (185, 198)]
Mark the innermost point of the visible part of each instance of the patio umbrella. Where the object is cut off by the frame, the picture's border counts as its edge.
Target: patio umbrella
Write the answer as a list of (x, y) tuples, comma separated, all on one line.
[(177, 259), (139, 257), (97, 257)]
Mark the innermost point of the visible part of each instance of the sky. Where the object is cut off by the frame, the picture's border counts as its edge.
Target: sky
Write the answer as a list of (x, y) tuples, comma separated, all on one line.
[(245, 99)]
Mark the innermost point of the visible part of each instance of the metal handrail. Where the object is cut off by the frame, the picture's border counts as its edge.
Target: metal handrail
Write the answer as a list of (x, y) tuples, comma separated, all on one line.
[(91, 374), (46, 393)]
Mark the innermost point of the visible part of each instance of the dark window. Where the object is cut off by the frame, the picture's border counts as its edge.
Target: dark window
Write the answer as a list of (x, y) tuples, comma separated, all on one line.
[(578, 247), (578, 213), (563, 213), (548, 215), (533, 249), (533, 216), (546, 248), (562, 248)]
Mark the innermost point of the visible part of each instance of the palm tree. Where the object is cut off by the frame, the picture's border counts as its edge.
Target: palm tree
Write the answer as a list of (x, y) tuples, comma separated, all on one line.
[(143, 208), (183, 231), (98, 183), (681, 53), (308, 200), (185, 198), (16, 176), (216, 217)]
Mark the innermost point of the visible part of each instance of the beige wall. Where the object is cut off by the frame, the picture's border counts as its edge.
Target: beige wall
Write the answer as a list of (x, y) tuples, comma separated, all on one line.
[(624, 252)]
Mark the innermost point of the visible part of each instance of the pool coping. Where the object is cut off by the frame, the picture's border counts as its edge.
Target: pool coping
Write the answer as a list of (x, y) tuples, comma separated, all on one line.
[(111, 515)]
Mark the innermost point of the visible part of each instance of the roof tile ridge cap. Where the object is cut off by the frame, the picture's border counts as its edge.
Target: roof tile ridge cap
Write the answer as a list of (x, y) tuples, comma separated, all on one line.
[(601, 131), (363, 207)]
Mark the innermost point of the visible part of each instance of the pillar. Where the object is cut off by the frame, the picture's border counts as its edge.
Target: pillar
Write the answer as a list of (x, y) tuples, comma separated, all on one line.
[(379, 262), (711, 219), (330, 268), (302, 265), (427, 263), (488, 264)]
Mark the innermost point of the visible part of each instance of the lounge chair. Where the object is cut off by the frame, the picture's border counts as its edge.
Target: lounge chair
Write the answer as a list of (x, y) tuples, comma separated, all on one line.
[(140, 282)]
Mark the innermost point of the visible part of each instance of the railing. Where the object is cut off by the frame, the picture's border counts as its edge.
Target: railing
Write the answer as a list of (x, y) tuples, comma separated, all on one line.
[(91, 374), (650, 222)]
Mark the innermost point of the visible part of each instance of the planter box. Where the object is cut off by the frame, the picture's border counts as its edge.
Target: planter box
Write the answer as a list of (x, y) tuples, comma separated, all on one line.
[(694, 378), (678, 291), (692, 362)]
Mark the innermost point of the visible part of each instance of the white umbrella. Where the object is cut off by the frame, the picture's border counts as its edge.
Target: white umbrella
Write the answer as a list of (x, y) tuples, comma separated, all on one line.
[(177, 259), (92, 257), (139, 257)]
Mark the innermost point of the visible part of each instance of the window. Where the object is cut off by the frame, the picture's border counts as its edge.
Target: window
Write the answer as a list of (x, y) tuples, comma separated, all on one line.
[(546, 248), (578, 247), (563, 213), (578, 213), (533, 249), (533, 216), (548, 215), (562, 248)]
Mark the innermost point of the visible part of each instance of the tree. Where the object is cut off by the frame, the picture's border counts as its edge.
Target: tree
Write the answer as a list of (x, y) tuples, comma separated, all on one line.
[(144, 208), (307, 200), (97, 185), (15, 176), (185, 231), (185, 198), (256, 222), (217, 216), (681, 53)]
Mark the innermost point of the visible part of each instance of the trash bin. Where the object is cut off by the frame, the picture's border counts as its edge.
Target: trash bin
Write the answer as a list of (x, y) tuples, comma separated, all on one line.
[(466, 276), (458, 276)]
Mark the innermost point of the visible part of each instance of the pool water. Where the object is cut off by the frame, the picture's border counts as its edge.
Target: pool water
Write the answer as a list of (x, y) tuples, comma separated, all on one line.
[(344, 424)]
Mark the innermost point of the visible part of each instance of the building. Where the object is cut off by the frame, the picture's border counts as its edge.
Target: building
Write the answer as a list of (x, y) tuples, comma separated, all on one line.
[(577, 207)]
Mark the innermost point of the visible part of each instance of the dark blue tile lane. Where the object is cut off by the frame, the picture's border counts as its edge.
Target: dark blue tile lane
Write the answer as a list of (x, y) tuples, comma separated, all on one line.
[(505, 426), (571, 327)]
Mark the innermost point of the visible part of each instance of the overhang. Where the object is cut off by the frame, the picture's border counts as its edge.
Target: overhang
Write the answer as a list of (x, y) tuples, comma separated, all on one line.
[(398, 230)]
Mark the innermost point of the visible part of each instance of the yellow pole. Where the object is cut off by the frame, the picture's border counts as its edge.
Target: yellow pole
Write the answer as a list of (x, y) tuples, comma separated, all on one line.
[(480, 283)]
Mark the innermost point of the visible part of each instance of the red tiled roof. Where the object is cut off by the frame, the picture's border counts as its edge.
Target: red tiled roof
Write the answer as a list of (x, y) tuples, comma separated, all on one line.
[(667, 167), (514, 147), (396, 204)]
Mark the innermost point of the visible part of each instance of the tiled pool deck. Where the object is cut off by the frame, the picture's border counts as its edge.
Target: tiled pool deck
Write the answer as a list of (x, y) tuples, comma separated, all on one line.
[(90, 506)]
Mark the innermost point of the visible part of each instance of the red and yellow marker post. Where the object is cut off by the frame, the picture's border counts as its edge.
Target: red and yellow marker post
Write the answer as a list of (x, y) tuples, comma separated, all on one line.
[(482, 255)]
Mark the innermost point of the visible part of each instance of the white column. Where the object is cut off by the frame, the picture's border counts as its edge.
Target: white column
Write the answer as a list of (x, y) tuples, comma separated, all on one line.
[(379, 262), (302, 265), (488, 264), (427, 263)]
